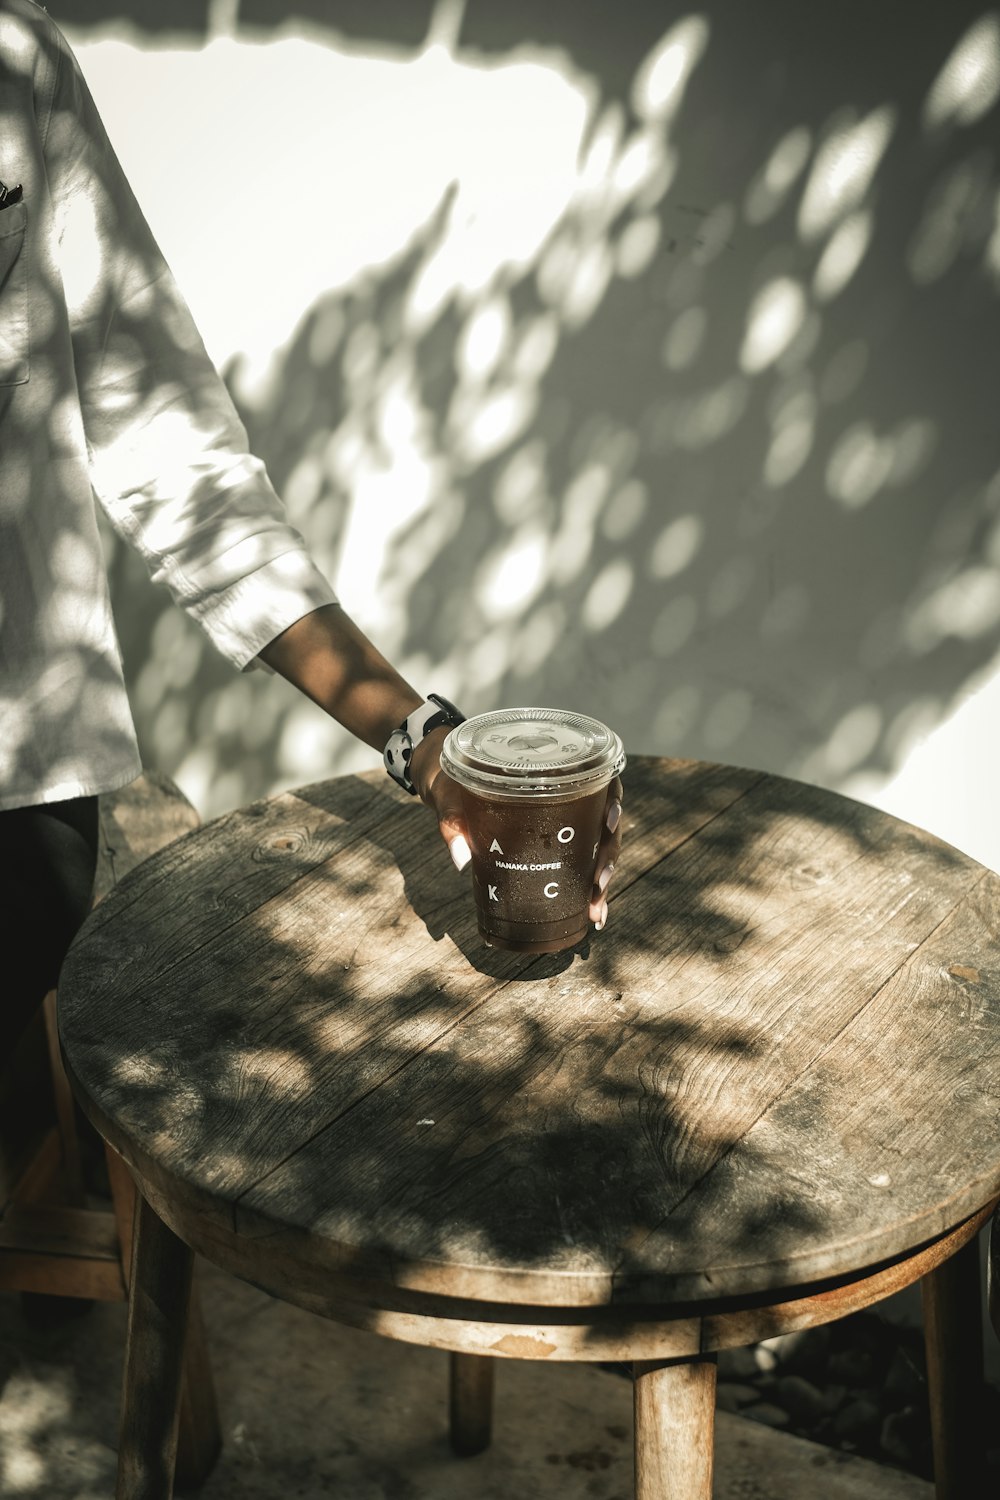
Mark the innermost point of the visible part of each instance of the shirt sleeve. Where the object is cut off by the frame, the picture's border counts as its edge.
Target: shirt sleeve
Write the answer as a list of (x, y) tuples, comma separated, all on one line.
[(169, 457)]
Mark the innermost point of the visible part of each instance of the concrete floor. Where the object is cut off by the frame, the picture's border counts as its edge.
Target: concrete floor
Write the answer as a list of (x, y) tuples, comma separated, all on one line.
[(311, 1410)]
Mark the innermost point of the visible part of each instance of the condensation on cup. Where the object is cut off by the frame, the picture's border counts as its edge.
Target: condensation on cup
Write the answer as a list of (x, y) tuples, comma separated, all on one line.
[(534, 787)]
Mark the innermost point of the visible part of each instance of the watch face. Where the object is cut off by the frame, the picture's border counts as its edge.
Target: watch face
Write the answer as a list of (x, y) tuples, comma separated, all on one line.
[(397, 753), (540, 747)]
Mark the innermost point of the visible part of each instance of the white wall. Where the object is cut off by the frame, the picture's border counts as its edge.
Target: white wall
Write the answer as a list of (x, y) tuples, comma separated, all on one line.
[(651, 369)]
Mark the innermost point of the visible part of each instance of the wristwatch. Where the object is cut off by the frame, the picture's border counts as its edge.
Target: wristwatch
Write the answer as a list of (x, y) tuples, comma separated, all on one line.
[(434, 712)]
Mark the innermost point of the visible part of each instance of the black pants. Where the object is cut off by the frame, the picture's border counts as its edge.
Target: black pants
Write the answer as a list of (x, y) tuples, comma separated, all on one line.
[(48, 854)]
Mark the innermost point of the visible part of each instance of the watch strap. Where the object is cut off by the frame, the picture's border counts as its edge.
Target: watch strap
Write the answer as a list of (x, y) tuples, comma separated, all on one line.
[(433, 713)]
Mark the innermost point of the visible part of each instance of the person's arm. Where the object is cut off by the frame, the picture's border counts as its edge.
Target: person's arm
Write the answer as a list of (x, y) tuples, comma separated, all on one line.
[(171, 465), (327, 657), (333, 662), (169, 457)]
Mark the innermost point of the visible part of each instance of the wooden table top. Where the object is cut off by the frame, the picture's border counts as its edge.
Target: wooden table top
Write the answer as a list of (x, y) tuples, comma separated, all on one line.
[(780, 1062)]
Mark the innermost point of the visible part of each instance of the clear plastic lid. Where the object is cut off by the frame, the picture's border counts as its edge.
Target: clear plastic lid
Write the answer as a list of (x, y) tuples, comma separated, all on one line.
[(535, 751)]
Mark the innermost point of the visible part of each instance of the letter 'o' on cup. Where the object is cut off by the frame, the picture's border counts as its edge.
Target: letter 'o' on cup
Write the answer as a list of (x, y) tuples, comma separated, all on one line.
[(534, 786)]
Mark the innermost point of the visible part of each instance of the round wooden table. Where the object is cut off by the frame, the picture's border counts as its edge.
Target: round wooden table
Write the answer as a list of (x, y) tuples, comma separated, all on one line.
[(768, 1094)]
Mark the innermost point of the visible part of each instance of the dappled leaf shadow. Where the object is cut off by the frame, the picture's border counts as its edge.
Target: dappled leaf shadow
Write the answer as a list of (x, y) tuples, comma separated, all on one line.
[(727, 477), (283, 1021)]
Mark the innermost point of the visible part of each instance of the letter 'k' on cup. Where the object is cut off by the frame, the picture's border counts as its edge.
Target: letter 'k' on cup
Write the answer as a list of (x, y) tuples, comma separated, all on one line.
[(534, 786)]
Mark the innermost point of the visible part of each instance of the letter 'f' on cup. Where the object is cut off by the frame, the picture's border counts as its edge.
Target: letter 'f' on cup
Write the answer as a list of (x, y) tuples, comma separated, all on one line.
[(534, 786)]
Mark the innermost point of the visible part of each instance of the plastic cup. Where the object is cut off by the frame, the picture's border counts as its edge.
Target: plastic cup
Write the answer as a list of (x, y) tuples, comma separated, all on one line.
[(534, 787)]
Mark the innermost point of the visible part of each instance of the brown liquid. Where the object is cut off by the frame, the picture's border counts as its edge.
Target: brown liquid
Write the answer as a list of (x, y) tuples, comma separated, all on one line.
[(533, 866)]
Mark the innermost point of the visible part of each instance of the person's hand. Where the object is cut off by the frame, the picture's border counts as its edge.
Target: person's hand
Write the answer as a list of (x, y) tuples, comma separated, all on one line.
[(442, 795), (607, 854), (333, 662)]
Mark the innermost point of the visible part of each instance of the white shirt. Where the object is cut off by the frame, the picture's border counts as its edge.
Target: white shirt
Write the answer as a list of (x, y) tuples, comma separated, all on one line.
[(106, 390)]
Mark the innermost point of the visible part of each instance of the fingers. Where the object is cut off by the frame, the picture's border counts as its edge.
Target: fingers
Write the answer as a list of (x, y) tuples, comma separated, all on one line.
[(458, 848), (444, 797), (607, 855), (611, 841), (451, 824)]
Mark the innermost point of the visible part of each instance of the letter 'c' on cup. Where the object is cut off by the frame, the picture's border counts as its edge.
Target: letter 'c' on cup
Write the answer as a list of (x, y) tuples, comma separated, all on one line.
[(534, 788)]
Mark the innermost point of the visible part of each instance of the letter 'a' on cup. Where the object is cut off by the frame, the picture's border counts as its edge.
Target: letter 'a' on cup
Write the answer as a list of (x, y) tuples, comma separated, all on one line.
[(534, 786)]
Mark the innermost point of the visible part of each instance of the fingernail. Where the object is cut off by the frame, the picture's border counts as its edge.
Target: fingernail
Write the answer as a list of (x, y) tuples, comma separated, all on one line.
[(605, 876), (614, 813), (460, 851), (600, 925)]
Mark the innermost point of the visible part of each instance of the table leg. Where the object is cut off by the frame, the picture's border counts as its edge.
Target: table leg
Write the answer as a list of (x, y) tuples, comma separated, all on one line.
[(674, 1428), (954, 1341), (993, 1274), (154, 1354), (199, 1437), (470, 1403)]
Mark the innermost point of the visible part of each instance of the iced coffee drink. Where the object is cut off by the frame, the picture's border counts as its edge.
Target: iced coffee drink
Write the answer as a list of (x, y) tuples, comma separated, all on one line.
[(534, 787)]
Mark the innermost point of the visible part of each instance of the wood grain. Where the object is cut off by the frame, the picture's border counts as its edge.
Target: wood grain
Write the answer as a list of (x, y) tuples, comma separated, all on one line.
[(674, 1418), (517, 1330), (286, 1024), (61, 1251), (890, 1132), (321, 980), (560, 1144), (134, 823)]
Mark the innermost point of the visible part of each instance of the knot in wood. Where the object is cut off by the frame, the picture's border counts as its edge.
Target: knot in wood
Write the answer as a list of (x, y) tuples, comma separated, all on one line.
[(721, 936), (282, 843)]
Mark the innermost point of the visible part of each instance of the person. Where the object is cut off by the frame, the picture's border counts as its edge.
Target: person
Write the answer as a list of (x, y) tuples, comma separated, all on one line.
[(106, 389)]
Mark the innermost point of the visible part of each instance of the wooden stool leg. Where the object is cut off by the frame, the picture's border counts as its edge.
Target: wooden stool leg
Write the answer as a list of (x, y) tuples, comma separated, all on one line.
[(993, 1274), (674, 1428), (953, 1336), (471, 1403), (199, 1437), (65, 1107), (158, 1305), (123, 1198)]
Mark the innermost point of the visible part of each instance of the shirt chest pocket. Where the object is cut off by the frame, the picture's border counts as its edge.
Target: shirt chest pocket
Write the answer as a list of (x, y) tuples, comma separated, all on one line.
[(13, 296)]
